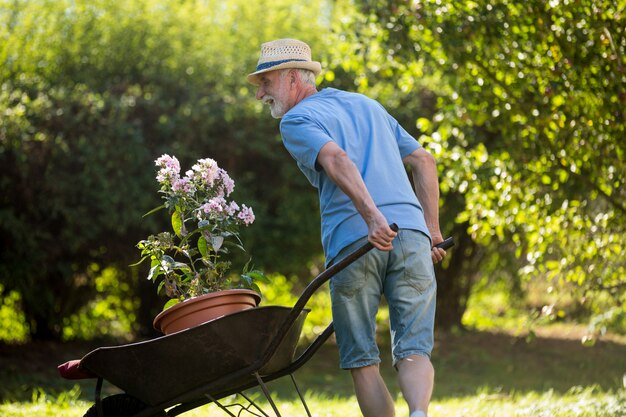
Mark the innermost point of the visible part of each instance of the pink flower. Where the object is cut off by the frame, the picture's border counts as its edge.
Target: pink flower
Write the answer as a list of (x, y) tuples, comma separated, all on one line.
[(246, 214), (232, 208), (183, 185), (205, 171), (198, 203), (170, 169), (169, 162), (215, 205), (228, 185)]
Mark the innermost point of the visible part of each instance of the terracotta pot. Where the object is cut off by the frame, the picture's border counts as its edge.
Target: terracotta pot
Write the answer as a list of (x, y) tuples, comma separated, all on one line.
[(198, 310)]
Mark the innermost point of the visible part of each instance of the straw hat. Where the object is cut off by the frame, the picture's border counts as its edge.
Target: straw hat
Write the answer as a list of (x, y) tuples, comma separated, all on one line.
[(284, 53)]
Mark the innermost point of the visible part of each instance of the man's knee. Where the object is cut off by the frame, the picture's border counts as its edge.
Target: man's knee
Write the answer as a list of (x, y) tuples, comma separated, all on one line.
[(416, 361), (372, 394)]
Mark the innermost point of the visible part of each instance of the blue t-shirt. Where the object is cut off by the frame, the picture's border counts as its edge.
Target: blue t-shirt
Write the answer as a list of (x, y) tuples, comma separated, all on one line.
[(374, 141)]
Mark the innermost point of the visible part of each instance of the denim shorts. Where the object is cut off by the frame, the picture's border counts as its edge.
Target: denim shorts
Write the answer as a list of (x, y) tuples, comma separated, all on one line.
[(406, 277)]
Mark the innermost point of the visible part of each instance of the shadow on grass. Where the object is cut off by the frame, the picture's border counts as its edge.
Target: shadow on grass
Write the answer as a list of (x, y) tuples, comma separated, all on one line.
[(472, 362), (465, 364)]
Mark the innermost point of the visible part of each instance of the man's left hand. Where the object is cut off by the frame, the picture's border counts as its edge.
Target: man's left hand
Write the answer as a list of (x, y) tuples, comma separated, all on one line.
[(437, 254)]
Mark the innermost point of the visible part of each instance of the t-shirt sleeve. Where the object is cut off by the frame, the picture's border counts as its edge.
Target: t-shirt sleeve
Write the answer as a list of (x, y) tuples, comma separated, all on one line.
[(406, 143), (304, 139)]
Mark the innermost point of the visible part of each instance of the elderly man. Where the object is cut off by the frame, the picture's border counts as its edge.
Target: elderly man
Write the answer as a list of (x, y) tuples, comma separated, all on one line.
[(354, 153)]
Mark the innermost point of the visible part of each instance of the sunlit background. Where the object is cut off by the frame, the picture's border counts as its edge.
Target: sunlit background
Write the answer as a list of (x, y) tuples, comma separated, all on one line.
[(522, 103)]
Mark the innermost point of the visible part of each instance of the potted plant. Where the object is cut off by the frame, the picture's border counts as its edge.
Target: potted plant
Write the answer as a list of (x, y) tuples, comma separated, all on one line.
[(190, 258)]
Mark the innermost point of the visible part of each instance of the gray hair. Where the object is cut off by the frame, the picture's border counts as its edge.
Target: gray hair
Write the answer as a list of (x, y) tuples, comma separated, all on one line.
[(306, 76)]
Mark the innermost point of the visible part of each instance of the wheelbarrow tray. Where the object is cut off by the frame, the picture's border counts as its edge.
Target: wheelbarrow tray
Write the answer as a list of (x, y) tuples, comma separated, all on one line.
[(216, 357)]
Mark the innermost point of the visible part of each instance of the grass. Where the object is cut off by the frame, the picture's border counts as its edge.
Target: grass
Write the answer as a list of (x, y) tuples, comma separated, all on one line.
[(479, 374), (578, 402)]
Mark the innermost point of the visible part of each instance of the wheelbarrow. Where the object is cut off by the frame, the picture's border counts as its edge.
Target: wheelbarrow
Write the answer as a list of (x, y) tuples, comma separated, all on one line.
[(173, 374)]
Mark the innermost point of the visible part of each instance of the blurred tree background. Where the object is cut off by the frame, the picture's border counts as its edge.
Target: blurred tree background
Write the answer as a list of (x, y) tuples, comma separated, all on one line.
[(521, 102)]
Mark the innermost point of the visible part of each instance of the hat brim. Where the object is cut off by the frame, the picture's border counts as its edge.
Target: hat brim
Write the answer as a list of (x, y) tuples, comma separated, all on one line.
[(314, 66)]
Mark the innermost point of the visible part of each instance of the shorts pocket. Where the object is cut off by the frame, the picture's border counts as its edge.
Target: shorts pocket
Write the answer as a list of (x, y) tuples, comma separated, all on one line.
[(349, 281), (416, 273), (419, 271)]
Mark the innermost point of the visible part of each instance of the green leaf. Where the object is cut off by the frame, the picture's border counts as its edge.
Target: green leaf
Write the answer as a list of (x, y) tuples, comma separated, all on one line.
[(203, 247), (177, 223), (247, 280), (217, 242), (558, 101), (181, 266), (168, 260), (259, 276), (171, 303), (140, 261), (554, 265), (154, 210), (423, 124), (229, 243), (155, 271)]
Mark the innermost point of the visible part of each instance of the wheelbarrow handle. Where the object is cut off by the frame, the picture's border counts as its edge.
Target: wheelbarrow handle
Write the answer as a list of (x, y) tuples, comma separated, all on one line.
[(316, 284), (313, 286), (355, 255), (334, 269), (446, 244)]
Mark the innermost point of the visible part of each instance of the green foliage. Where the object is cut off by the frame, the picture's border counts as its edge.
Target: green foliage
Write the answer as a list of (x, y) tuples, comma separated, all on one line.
[(522, 103), (111, 314), (494, 309), (92, 92), (13, 328), (279, 290), (528, 127), (43, 404)]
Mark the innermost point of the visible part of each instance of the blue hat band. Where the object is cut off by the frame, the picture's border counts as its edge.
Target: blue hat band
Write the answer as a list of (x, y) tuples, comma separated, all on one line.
[(271, 64)]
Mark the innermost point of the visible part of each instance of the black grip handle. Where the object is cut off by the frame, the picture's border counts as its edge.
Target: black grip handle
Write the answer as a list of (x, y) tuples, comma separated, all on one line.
[(446, 244)]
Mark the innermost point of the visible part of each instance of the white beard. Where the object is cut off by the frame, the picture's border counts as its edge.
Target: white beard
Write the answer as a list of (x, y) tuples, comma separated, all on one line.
[(277, 105), (276, 108)]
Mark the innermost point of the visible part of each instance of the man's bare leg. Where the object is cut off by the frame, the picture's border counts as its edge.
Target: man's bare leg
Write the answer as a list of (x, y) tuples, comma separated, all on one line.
[(416, 377), (372, 393)]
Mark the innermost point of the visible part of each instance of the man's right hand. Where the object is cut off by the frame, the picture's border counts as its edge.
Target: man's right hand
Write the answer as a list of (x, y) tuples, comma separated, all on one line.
[(344, 173), (379, 233)]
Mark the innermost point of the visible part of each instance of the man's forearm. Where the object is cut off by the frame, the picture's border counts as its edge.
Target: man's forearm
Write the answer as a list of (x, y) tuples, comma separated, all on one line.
[(426, 183), (346, 176), (342, 171)]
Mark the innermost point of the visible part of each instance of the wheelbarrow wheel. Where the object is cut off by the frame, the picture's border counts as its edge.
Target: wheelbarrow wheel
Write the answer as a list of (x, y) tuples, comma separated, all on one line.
[(120, 405)]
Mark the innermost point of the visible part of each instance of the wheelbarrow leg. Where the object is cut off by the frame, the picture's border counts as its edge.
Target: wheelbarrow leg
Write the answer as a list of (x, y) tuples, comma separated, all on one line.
[(213, 400), (293, 379), (267, 393), (98, 399), (253, 404)]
